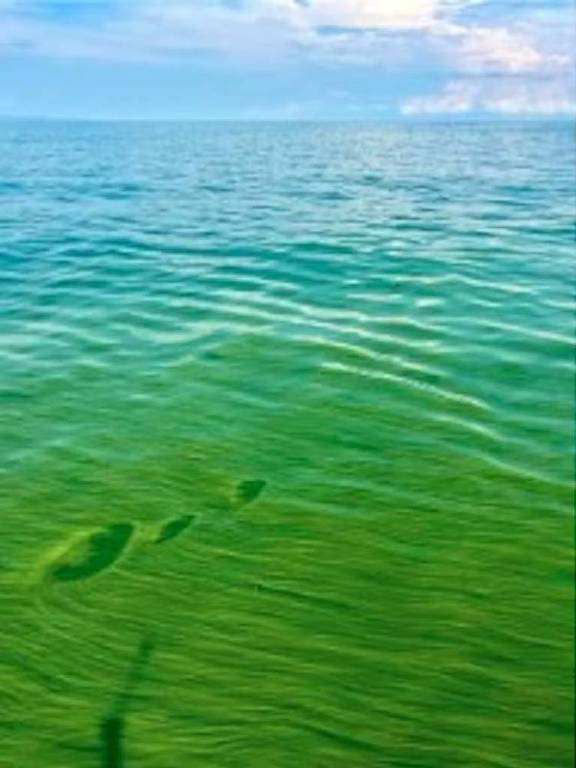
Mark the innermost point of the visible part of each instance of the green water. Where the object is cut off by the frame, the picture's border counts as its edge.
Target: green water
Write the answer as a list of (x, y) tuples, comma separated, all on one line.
[(375, 322)]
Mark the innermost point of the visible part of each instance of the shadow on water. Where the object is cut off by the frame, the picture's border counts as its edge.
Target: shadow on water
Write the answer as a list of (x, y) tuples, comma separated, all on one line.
[(248, 491), (111, 738), (112, 726), (102, 549), (173, 528)]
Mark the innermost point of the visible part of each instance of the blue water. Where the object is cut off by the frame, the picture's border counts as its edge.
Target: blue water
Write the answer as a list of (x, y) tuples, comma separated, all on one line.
[(287, 445)]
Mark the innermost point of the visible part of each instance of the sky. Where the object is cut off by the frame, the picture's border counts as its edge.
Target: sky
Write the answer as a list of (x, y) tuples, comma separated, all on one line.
[(287, 59)]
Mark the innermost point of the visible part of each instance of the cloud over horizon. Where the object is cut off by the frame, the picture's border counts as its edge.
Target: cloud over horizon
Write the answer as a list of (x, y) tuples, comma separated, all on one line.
[(407, 56)]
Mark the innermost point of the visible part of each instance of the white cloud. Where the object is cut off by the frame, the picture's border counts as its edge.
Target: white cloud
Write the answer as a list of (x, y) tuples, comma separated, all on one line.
[(498, 48), (352, 14), (376, 14), (362, 31), (515, 70), (255, 29), (393, 35), (504, 97), (287, 25), (482, 49)]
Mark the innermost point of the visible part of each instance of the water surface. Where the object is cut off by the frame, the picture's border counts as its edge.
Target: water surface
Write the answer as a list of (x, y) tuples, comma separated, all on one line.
[(323, 376)]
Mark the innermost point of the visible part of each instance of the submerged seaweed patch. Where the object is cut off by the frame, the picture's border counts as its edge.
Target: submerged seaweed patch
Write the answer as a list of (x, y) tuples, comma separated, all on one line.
[(99, 551)]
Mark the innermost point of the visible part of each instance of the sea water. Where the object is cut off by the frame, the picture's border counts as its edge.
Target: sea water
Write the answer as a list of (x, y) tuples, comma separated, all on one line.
[(322, 374)]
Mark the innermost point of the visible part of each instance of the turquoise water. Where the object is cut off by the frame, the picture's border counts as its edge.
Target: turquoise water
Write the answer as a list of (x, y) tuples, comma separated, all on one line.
[(287, 445)]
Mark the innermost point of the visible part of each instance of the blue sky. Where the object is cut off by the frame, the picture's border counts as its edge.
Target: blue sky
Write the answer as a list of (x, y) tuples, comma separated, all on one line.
[(286, 59)]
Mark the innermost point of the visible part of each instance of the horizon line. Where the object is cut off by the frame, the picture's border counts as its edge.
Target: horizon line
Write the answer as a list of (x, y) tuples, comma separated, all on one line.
[(428, 118)]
